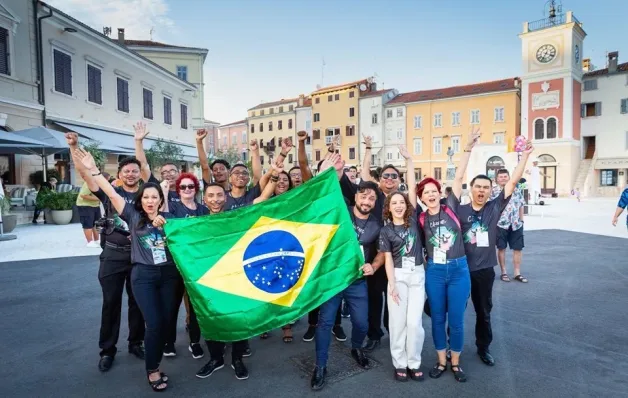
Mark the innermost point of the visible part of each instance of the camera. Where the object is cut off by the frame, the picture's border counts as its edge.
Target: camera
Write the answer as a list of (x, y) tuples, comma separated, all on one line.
[(104, 225)]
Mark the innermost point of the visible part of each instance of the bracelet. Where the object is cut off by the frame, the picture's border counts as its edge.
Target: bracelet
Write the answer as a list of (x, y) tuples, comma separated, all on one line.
[(368, 147), (330, 150), (285, 155), (274, 178), (97, 174), (467, 150)]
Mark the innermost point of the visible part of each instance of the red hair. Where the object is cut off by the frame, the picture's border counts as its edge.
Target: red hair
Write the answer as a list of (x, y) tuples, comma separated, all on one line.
[(182, 176), (421, 186)]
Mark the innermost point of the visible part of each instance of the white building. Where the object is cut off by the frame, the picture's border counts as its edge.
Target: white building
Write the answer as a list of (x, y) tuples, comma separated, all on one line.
[(371, 112), (20, 106), (304, 123), (604, 113), (96, 86), (394, 135)]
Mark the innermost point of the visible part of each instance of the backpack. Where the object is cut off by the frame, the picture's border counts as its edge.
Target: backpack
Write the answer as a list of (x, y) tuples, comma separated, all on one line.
[(447, 211)]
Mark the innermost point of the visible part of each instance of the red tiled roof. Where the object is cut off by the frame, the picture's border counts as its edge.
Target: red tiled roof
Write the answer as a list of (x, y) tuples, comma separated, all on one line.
[(307, 102), (150, 43), (270, 104), (620, 68), (234, 123), (457, 91), (339, 87), (375, 93)]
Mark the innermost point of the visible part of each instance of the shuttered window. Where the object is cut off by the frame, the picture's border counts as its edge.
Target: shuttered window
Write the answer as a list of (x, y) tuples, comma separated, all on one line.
[(167, 110), (148, 103), (63, 72), (123, 95), (94, 85), (4, 52), (184, 116)]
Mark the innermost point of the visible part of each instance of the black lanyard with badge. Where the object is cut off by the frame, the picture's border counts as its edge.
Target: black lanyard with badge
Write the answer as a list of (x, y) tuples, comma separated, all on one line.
[(440, 254)]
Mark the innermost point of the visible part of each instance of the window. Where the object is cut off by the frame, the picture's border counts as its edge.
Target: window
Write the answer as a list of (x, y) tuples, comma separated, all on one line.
[(224, 140), (63, 72), (336, 97), (317, 117), (244, 137), (350, 131), (147, 97), (499, 114), (270, 126), (437, 173), (389, 155), (280, 125), (316, 134), (475, 116), (234, 139), (498, 138), (330, 98), (167, 110), (182, 73), (373, 160), (253, 114), (399, 133), (551, 128), (290, 123), (184, 116), (291, 108), (591, 109), (290, 158), (623, 109), (389, 113), (281, 109), (252, 128), (123, 95), (438, 120), (438, 145), (374, 118), (94, 85), (418, 146), (455, 118), (590, 85), (318, 100), (4, 52), (261, 112), (351, 94), (418, 122), (608, 178), (455, 144), (539, 129), (261, 128), (244, 156), (271, 111), (318, 155), (351, 153), (418, 175), (351, 112), (399, 112)]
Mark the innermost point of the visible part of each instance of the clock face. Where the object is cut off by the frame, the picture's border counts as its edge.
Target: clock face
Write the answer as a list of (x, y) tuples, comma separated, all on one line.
[(546, 53), (577, 53)]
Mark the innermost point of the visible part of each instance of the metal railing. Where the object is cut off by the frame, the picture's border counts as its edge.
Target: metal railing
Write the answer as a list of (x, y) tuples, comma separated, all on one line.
[(547, 22)]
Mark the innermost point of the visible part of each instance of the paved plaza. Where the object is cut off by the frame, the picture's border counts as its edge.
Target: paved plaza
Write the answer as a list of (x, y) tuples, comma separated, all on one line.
[(561, 335)]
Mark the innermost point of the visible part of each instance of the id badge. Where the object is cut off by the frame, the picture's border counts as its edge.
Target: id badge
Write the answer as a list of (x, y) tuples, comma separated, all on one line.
[(440, 256), (408, 262), (159, 255), (481, 238)]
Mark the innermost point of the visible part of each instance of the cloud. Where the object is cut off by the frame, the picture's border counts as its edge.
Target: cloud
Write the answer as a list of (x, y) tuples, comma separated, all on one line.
[(137, 17)]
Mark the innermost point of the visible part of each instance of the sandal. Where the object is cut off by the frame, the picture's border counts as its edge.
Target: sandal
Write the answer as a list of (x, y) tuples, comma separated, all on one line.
[(156, 383), (505, 278), (438, 370), (458, 374), (264, 336), (287, 334), (401, 374), (416, 375), (521, 278)]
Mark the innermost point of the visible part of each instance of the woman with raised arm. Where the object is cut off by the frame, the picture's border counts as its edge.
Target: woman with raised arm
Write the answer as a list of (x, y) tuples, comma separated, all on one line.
[(154, 276)]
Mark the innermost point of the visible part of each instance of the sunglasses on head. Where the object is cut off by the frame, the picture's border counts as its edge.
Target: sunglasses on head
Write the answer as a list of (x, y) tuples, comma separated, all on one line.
[(183, 187), (390, 176)]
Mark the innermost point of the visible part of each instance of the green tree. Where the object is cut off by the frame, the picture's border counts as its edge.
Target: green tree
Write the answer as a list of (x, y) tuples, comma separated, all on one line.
[(231, 155), (100, 157), (163, 152)]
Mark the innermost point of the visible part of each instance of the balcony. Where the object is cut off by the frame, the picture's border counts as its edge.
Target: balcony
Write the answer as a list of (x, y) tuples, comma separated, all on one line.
[(550, 22)]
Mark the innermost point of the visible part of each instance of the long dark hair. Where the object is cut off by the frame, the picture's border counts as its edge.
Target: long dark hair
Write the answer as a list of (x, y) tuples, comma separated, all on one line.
[(138, 202), (406, 215), (289, 179)]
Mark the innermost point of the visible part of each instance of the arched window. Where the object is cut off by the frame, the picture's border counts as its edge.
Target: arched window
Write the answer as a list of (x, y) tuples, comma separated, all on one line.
[(551, 128), (539, 129), (493, 164), (547, 159)]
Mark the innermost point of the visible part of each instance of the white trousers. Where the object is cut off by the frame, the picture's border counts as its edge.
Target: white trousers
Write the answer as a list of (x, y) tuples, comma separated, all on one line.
[(406, 318)]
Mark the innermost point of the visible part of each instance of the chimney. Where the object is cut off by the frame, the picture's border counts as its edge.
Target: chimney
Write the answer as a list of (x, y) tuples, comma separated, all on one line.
[(301, 99), (121, 35), (612, 61), (373, 87), (586, 65)]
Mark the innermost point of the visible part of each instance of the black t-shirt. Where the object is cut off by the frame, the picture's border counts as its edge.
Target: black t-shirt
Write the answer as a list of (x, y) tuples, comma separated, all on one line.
[(120, 235), (367, 232), (349, 190), (173, 196), (442, 231), (148, 244), (484, 220), (402, 242), (179, 210), (245, 200)]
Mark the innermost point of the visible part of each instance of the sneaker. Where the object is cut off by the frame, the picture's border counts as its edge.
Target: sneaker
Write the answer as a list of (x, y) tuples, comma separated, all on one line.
[(196, 350), (169, 350), (241, 372), (339, 333), (94, 244), (247, 352), (209, 368), (309, 335)]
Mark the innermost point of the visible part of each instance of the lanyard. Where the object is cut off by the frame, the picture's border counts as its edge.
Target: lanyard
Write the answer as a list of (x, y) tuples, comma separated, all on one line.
[(399, 236), (357, 226), (429, 225)]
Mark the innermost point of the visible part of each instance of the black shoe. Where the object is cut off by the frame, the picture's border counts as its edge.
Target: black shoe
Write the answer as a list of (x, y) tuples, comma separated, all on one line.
[(105, 363), (209, 368), (169, 350), (241, 372), (318, 378), (360, 358), (458, 373), (486, 357), (196, 350), (137, 350), (339, 333), (247, 351), (345, 310), (371, 345), (309, 335), (438, 370)]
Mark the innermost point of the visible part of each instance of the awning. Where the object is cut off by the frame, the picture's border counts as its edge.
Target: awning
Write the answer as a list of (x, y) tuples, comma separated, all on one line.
[(126, 141), (611, 163)]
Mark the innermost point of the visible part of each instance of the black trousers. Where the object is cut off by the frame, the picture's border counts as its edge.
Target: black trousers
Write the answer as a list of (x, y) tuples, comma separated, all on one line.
[(378, 302), (217, 349), (113, 275), (482, 298), (194, 329), (312, 317), (171, 334)]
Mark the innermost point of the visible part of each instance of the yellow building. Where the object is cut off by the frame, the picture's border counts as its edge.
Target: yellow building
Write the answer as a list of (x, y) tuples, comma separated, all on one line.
[(335, 113), (440, 119), (271, 122)]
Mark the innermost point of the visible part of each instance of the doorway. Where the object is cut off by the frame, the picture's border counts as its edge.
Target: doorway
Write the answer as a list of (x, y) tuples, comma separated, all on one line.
[(493, 165), (589, 147), (548, 179)]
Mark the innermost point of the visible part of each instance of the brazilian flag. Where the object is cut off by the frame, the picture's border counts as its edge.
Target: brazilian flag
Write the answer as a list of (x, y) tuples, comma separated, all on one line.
[(258, 268)]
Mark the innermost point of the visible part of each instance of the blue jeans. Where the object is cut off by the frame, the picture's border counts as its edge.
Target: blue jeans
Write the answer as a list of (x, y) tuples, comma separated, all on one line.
[(356, 297), (155, 292), (448, 287)]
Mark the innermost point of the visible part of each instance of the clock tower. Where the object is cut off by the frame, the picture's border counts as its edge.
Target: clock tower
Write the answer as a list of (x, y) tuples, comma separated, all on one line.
[(550, 96)]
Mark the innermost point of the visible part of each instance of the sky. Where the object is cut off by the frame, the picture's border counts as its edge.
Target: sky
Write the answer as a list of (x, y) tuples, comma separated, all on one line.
[(266, 50)]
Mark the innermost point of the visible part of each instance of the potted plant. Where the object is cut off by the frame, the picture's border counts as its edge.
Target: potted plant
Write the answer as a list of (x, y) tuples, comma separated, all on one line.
[(42, 202), (9, 221), (61, 204)]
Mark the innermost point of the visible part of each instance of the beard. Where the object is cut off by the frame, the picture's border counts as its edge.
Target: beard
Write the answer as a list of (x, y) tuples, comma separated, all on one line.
[(363, 212)]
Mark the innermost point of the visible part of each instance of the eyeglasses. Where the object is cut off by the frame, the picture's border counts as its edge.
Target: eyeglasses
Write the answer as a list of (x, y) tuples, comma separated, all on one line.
[(185, 187), (170, 172), (390, 176), (240, 173)]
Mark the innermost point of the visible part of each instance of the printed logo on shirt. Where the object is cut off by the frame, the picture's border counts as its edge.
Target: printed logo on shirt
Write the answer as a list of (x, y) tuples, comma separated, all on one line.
[(471, 235), (443, 237), (153, 240)]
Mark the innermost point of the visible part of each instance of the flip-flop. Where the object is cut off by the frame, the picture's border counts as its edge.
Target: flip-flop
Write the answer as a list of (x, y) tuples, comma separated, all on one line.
[(521, 278), (505, 278)]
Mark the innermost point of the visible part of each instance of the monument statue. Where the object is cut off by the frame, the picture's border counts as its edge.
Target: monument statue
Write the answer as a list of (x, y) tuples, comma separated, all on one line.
[(451, 168), (450, 155)]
